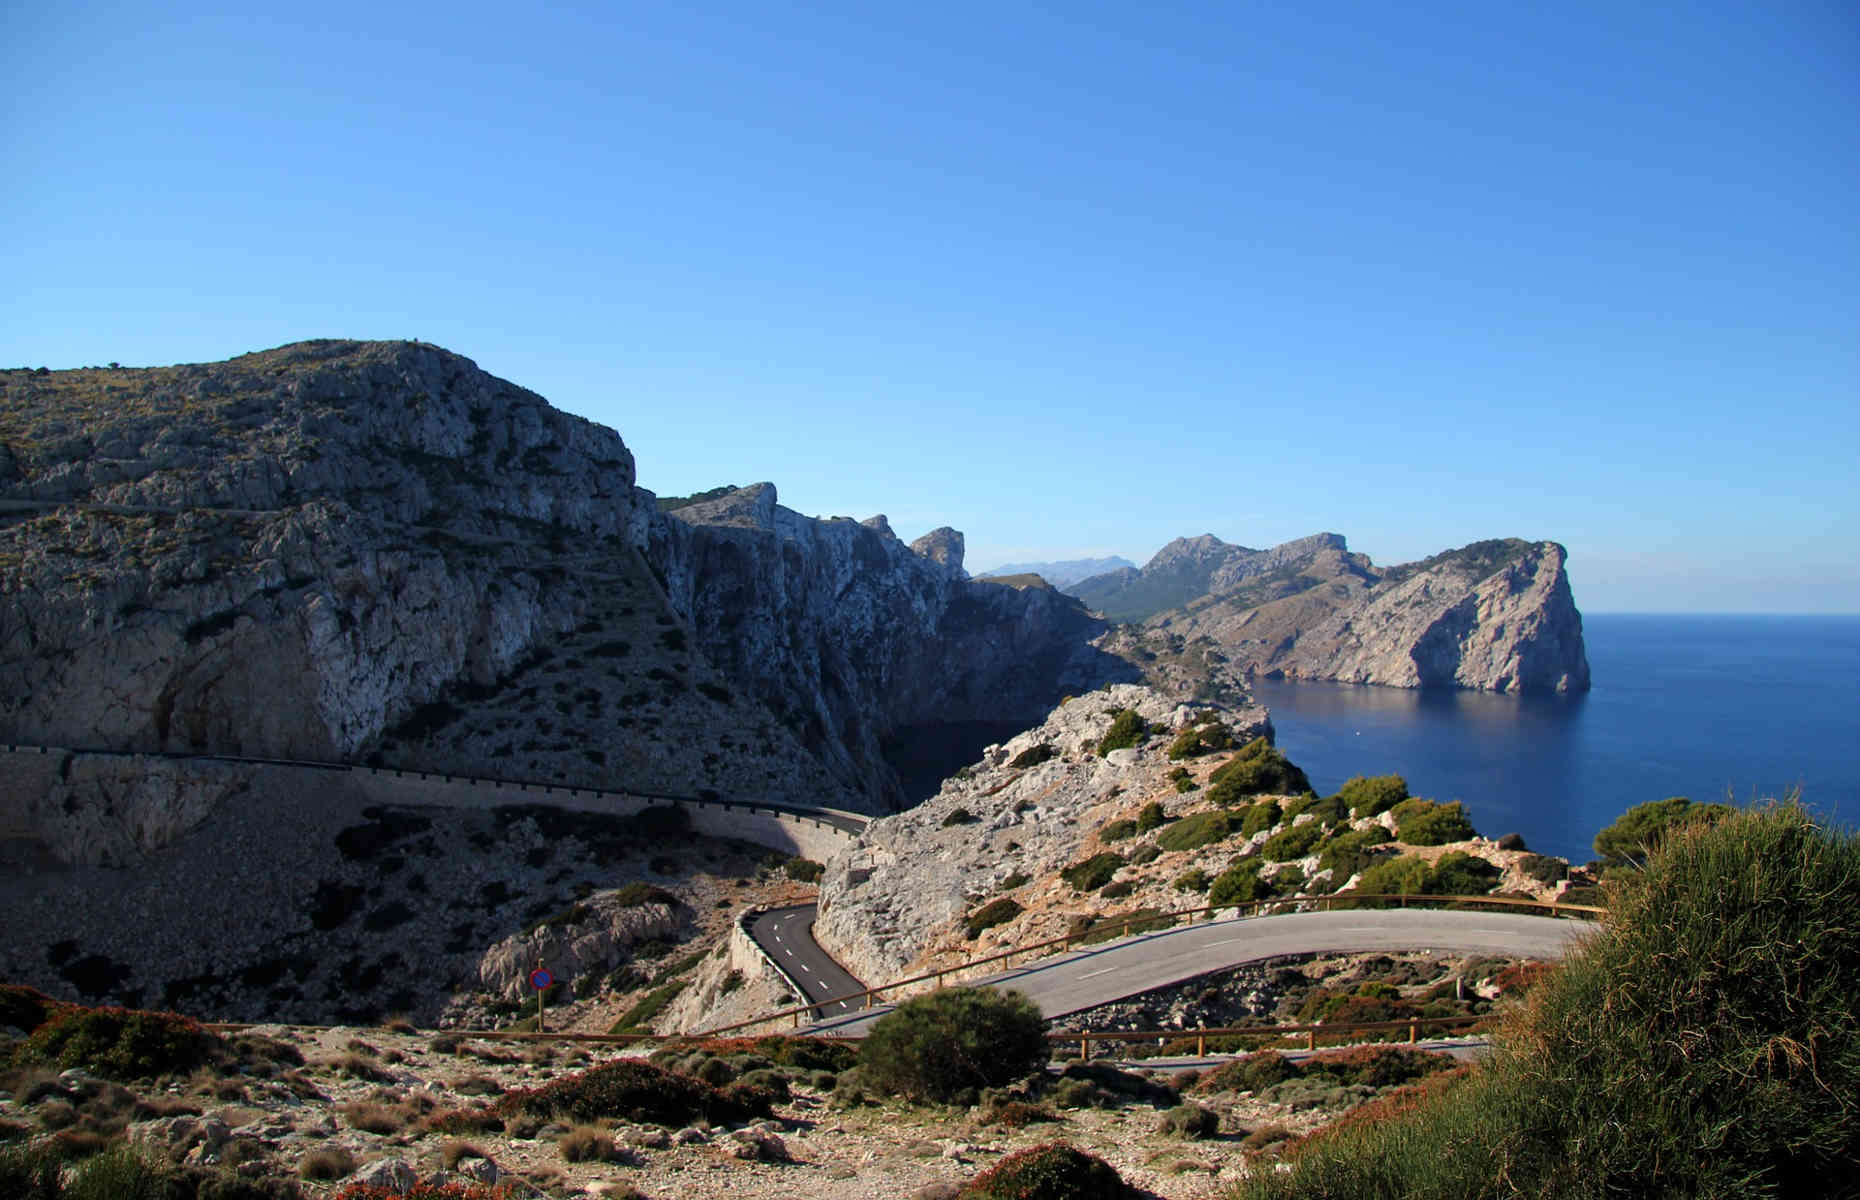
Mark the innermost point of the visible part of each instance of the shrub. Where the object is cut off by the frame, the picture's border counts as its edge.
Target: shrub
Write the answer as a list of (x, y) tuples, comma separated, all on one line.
[(1239, 884), (1093, 873), (1117, 831), (1151, 816), (1051, 1172), (959, 816), (1404, 876), (1032, 756), (1426, 823), (1346, 853), (1295, 842), (1251, 1073), (1117, 889), (632, 1089), (803, 870), (1189, 1121), (121, 1043), (633, 895), (1638, 831), (1259, 817), (1127, 729), (640, 1017), (1191, 881), (1200, 829), (1329, 810), (1202, 739), (1702, 1042), (329, 1163), (935, 1046), (1259, 768), (995, 912), (588, 1143), (1186, 784), (1367, 796), (1147, 852), (1462, 874), (1543, 869)]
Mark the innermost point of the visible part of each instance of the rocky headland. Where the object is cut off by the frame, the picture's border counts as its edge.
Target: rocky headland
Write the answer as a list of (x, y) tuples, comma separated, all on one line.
[(1495, 615)]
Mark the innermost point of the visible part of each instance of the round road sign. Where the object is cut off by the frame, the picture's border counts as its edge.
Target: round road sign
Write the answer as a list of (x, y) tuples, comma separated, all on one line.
[(540, 979)]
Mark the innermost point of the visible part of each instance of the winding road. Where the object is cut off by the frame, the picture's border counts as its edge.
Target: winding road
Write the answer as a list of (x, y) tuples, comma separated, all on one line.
[(1083, 979)]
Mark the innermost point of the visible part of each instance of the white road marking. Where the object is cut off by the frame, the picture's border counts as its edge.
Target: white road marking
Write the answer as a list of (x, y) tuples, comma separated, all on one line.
[(1095, 974), (804, 968)]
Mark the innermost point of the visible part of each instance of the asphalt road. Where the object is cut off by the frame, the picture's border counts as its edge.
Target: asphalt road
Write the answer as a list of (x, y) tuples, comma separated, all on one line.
[(788, 935), (1087, 978)]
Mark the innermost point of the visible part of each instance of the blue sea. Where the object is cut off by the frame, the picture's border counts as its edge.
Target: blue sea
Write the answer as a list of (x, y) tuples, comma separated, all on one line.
[(1738, 706)]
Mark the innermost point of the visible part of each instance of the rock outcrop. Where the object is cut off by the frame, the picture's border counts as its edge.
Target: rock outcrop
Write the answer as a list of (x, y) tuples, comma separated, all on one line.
[(377, 552), (1025, 809), (1495, 616)]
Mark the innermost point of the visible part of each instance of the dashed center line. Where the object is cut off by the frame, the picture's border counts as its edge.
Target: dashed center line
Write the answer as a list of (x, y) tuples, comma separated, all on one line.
[(1095, 974)]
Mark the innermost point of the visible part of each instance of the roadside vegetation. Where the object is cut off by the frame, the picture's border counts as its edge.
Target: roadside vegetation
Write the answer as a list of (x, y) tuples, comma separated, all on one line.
[(1704, 1043)]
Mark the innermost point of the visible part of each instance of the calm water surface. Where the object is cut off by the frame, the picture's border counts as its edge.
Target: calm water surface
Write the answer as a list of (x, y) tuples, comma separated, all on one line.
[(1699, 706)]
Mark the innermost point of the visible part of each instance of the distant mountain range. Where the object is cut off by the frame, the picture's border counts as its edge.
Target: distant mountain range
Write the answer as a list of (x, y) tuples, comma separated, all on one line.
[(1494, 615), (1060, 574)]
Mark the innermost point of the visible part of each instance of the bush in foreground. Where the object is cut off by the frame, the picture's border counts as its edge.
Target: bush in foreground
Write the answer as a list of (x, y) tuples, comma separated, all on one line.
[(1703, 1043), (1635, 833), (632, 1089), (931, 1048), (1054, 1171)]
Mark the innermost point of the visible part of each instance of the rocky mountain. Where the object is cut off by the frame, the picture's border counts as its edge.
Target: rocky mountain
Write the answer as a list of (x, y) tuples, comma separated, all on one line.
[(1061, 574), (1495, 615), (377, 552)]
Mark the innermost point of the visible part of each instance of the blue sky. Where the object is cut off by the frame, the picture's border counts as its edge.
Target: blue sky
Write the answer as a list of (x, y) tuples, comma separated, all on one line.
[(1075, 279)]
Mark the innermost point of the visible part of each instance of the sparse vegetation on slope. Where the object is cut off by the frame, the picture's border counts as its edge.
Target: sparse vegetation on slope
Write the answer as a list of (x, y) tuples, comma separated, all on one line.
[(1704, 1043)]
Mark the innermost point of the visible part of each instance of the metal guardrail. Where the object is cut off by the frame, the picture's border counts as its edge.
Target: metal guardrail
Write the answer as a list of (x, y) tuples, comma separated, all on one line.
[(1155, 922)]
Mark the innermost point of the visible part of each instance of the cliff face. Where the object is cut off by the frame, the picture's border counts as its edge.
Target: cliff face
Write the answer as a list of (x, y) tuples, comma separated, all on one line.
[(850, 635), (377, 551), (1496, 616)]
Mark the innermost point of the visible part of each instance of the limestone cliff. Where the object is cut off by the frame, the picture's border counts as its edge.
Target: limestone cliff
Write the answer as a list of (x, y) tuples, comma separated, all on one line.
[(376, 551), (1496, 615)]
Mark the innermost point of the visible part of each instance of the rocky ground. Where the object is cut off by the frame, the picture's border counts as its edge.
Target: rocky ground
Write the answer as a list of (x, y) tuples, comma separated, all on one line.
[(385, 1106)]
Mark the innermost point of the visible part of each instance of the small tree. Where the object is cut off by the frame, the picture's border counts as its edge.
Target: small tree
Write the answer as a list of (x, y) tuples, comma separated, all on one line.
[(931, 1048), (1636, 832)]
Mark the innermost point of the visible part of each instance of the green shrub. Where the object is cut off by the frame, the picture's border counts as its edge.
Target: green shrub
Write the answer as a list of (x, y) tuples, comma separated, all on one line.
[(1346, 853), (633, 895), (1127, 729), (1189, 1121), (1404, 876), (120, 1043), (1259, 817), (1295, 842), (1250, 1073), (1377, 1066), (1117, 831), (1147, 852), (991, 914), (1032, 756), (26, 1008), (930, 1048), (1288, 879), (1462, 874), (639, 1018), (1329, 810), (1702, 1042), (1185, 785), (1202, 739), (1200, 829), (1366, 796), (1093, 873), (1239, 884), (1258, 769), (1117, 889), (632, 1089), (1051, 1172), (1426, 823), (1640, 830), (1151, 816), (803, 870), (1543, 869), (1192, 881)]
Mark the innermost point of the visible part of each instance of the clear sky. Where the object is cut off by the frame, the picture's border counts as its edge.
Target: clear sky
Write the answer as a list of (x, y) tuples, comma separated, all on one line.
[(1074, 278)]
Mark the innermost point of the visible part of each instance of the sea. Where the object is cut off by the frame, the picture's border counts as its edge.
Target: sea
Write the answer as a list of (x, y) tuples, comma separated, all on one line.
[(1723, 707)]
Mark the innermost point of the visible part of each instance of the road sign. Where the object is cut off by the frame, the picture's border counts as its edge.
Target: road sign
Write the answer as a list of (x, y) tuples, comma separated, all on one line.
[(541, 979)]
